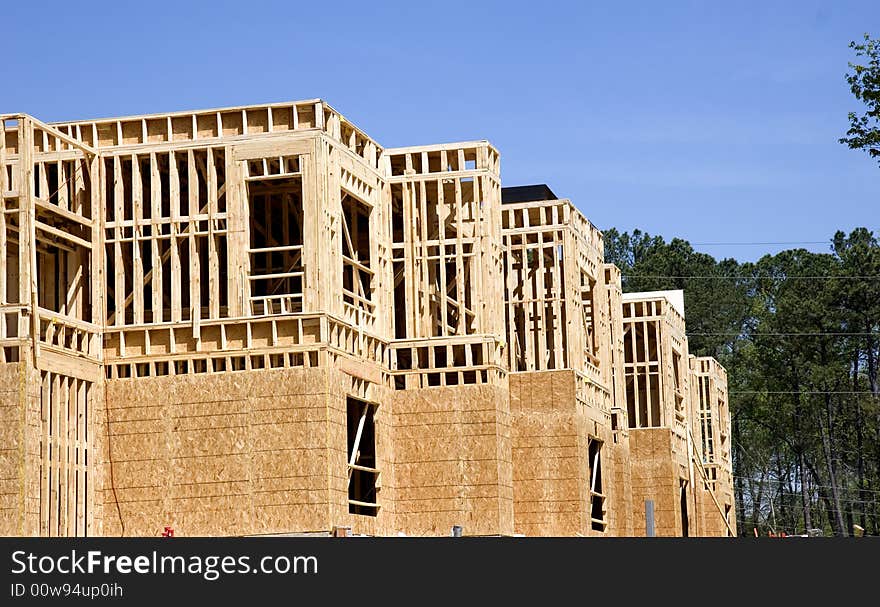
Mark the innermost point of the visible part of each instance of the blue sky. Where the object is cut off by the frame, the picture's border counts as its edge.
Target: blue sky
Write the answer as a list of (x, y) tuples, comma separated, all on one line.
[(713, 121)]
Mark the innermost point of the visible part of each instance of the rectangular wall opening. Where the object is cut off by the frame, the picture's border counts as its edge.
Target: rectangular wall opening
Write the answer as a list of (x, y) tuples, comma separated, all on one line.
[(64, 280), (534, 271), (682, 491), (677, 385), (165, 237), (398, 239), (442, 242), (357, 267), (362, 472), (706, 430), (588, 310), (641, 341), (598, 520), (276, 235)]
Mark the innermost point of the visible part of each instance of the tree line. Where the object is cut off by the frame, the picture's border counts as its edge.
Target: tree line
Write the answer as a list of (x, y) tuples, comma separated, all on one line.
[(799, 335)]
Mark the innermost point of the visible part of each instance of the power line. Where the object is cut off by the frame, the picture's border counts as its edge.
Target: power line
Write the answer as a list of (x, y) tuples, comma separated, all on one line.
[(842, 511), (861, 511), (799, 334), (790, 242), (743, 277), (799, 392), (784, 483)]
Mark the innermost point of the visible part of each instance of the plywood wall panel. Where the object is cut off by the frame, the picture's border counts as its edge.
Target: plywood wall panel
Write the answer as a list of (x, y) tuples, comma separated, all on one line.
[(219, 454), (452, 460), (10, 449)]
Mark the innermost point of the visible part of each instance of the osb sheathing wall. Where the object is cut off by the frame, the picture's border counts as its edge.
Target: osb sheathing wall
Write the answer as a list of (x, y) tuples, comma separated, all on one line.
[(550, 433), (269, 457), (656, 474), (620, 496), (258, 452), (711, 521), (16, 516), (452, 460)]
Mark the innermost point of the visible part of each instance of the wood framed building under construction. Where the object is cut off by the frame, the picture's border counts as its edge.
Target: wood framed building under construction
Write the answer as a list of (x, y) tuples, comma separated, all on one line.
[(257, 320)]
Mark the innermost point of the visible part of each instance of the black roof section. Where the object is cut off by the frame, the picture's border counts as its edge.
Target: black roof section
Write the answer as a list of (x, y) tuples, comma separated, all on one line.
[(527, 193)]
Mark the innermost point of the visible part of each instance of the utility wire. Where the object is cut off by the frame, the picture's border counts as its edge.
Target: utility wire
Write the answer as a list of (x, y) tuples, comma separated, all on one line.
[(799, 334), (790, 242), (785, 484), (743, 277), (798, 392), (843, 511)]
